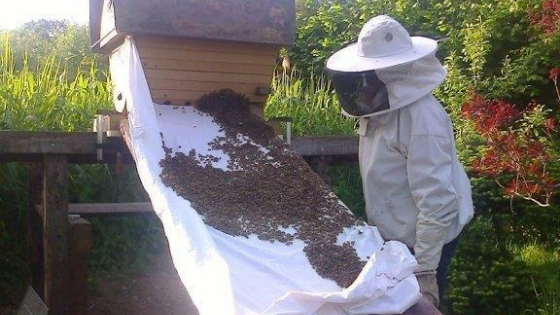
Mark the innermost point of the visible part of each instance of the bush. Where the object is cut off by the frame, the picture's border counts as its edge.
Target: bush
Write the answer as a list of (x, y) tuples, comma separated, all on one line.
[(485, 279), (532, 223), (346, 183)]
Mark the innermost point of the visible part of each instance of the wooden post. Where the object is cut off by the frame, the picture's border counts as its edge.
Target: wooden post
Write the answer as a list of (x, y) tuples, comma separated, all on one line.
[(35, 226), (81, 243), (55, 232)]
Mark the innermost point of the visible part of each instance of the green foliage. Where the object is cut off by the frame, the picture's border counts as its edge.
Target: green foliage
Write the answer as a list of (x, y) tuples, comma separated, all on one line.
[(532, 223), (324, 27), (546, 263), (104, 184), (14, 273), (41, 40), (126, 242), (46, 97), (346, 183), (120, 242), (310, 102), (486, 280)]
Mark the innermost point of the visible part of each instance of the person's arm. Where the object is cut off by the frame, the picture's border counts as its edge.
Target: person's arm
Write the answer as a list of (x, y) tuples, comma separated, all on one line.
[(429, 167)]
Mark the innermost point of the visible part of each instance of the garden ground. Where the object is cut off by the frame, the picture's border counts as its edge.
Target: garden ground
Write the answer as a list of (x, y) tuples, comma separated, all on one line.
[(158, 291)]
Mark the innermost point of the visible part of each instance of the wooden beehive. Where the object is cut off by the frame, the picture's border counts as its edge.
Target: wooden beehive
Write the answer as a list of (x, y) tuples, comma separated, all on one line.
[(189, 48)]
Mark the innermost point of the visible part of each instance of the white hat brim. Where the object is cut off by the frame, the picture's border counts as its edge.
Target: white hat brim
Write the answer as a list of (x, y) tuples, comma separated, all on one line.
[(348, 59)]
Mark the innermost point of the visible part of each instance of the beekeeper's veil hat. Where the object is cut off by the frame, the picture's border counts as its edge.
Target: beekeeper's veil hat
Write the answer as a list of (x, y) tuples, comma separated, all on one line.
[(365, 74)]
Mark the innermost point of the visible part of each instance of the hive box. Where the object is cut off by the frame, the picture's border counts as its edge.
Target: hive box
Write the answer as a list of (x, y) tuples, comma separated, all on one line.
[(189, 48)]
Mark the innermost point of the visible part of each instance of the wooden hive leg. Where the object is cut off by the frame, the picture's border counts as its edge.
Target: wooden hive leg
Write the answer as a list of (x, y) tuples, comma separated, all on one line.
[(81, 243), (55, 233)]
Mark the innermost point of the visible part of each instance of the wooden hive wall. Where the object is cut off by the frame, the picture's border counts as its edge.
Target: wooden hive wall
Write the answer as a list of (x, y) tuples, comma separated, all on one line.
[(180, 71)]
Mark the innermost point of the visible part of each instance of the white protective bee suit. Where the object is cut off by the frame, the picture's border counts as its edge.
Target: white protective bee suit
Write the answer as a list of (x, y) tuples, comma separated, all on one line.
[(415, 189)]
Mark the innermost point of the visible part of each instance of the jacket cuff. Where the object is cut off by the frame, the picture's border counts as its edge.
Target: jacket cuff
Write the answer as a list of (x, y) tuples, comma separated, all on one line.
[(425, 272)]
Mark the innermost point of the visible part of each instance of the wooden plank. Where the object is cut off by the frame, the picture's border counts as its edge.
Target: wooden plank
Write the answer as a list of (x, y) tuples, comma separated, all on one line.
[(109, 208), (207, 66), (35, 226), (197, 44), (184, 102), (27, 144), (47, 142), (109, 156), (247, 88), (194, 96), (207, 77), (263, 21), (226, 57), (55, 230), (330, 145)]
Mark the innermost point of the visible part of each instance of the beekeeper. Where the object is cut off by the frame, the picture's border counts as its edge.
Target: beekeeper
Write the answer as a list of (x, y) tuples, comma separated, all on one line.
[(415, 189)]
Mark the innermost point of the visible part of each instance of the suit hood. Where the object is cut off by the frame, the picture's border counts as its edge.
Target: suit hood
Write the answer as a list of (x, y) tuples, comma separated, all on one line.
[(406, 84)]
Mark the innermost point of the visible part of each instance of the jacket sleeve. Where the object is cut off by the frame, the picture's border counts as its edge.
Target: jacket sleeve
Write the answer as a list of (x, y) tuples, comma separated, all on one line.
[(429, 169)]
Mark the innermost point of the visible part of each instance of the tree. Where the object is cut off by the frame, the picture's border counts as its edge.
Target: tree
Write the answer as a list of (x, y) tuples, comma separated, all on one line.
[(68, 43)]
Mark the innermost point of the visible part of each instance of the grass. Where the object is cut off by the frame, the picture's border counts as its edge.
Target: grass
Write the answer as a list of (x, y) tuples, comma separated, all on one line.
[(48, 97), (546, 262), (310, 102)]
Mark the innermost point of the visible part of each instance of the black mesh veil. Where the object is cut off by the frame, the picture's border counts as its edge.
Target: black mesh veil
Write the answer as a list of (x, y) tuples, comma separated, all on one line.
[(359, 93)]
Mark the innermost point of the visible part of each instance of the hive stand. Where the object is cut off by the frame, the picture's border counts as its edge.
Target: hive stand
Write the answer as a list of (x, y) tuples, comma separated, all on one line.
[(59, 246)]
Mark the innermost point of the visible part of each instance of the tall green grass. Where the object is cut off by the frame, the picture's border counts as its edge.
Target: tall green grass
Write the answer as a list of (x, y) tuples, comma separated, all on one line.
[(48, 97), (311, 103), (545, 261)]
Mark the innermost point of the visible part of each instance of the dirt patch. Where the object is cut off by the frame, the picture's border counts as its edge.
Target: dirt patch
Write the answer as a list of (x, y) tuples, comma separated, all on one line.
[(158, 292)]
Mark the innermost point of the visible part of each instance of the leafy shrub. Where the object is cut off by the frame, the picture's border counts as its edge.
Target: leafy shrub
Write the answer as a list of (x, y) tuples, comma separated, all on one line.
[(521, 152), (485, 279), (532, 223), (346, 183), (325, 26), (120, 241), (126, 242), (14, 272)]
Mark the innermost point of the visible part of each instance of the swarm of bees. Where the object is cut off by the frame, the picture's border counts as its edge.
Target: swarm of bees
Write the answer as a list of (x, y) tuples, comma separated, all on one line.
[(272, 193)]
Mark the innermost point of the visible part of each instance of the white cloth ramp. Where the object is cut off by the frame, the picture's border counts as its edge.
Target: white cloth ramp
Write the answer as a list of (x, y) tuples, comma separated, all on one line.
[(236, 275)]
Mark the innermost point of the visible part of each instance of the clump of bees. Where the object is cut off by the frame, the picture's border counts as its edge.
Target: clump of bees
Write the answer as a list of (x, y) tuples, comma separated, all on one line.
[(268, 190)]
